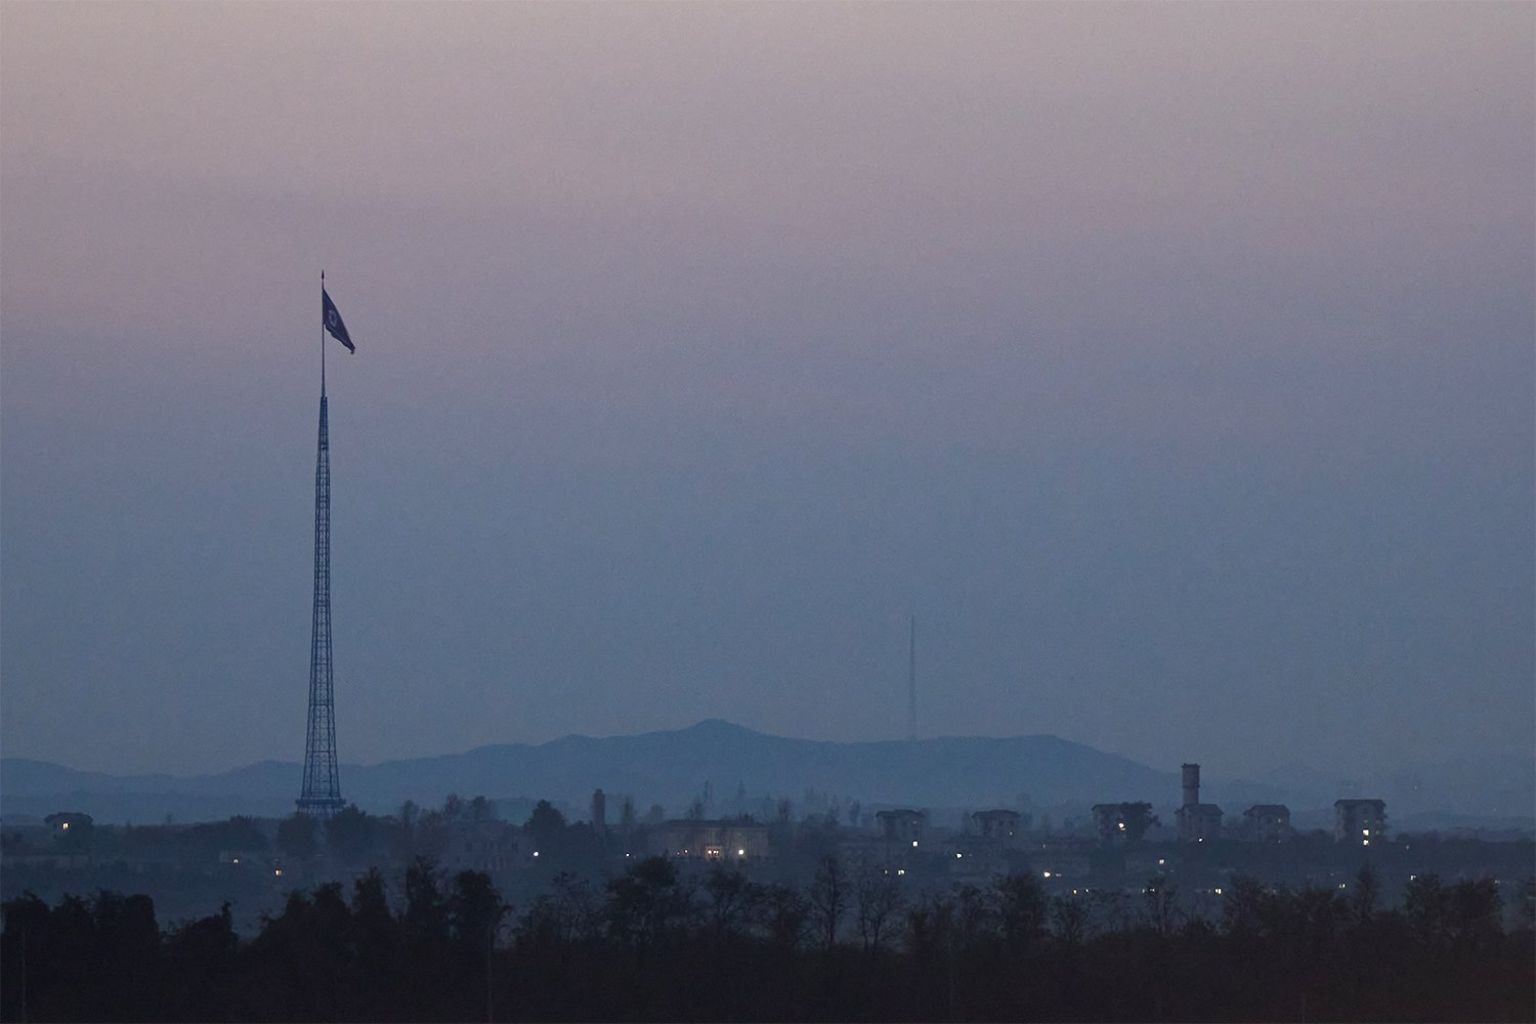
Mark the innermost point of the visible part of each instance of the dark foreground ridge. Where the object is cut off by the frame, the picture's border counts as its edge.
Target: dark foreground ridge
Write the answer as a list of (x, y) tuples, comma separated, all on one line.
[(652, 944)]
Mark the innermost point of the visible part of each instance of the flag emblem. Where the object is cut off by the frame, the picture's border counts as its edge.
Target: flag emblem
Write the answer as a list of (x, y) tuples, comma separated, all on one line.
[(331, 318)]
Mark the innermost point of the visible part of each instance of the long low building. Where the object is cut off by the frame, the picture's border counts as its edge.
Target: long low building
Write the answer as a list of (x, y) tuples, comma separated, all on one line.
[(726, 840)]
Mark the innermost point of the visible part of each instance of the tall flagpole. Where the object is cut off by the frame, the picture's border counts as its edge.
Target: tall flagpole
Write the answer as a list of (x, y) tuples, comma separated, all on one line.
[(321, 794)]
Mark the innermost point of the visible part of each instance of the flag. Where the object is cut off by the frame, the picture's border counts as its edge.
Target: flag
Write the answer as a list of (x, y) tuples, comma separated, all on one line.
[(332, 320)]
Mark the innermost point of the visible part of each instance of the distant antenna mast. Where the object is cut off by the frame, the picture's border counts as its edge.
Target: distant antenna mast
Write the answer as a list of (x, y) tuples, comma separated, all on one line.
[(912, 680), (321, 795)]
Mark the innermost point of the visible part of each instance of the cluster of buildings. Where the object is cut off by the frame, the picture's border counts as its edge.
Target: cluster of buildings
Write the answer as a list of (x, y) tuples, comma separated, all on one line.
[(990, 841), (996, 841), (1355, 821)]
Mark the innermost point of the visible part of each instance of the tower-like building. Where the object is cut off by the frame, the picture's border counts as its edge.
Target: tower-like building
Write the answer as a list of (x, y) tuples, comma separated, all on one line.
[(1198, 822), (321, 795)]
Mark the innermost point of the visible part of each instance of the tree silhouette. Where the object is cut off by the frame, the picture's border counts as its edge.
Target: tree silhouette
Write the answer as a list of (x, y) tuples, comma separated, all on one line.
[(643, 948), (877, 899), (351, 835), (298, 837), (828, 898)]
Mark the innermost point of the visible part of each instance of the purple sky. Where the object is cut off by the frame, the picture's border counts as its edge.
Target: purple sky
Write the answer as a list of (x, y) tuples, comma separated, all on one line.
[(1173, 363)]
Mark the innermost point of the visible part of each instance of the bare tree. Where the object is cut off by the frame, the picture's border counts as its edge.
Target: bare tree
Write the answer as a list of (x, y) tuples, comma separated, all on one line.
[(829, 898), (877, 898), (1108, 911), (1367, 893), (1069, 920), (733, 898), (1022, 906), (1160, 904), (580, 911), (783, 913), (976, 913)]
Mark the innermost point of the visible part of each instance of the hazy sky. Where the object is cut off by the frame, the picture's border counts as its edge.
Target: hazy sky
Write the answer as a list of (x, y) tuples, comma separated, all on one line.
[(1173, 363)]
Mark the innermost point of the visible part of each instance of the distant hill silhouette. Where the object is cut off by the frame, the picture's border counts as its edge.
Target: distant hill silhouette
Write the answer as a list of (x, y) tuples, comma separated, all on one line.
[(666, 767), (672, 767)]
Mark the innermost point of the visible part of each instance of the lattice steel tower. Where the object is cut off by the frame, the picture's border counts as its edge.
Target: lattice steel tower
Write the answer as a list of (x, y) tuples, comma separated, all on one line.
[(321, 795)]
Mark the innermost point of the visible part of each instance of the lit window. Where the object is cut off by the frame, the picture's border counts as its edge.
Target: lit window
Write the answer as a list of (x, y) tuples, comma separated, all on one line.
[(64, 826), (535, 853), (959, 855), (1045, 874), (914, 842), (277, 872), (741, 853)]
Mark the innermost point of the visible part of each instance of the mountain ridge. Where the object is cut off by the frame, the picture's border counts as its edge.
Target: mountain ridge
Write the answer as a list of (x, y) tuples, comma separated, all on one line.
[(666, 766), (672, 766)]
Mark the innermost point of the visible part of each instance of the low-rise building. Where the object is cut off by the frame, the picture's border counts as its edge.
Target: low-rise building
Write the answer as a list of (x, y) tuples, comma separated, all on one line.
[(902, 825), (975, 858), (1002, 825), (1359, 821), (72, 831), (486, 845), (1122, 823), (67, 823), (1267, 823), (1199, 823), (724, 840)]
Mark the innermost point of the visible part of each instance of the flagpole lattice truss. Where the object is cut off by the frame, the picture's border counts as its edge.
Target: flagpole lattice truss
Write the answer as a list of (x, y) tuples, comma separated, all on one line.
[(321, 795)]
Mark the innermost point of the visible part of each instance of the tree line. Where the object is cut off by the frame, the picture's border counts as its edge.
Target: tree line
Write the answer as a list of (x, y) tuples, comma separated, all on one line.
[(657, 943)]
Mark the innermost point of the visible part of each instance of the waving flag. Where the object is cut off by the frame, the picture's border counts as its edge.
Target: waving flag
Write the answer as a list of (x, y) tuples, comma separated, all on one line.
[(332, 320)]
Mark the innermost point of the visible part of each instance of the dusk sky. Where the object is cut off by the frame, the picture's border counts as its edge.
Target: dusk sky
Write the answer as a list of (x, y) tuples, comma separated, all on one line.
[(1173, 363)]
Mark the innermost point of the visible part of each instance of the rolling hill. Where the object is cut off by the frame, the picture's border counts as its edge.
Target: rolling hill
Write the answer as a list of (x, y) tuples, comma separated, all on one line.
[(669, 767)]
